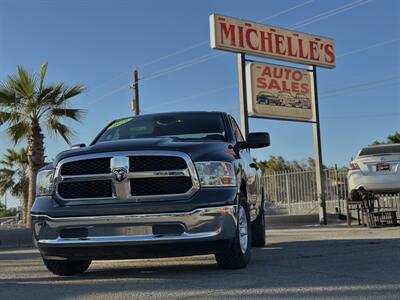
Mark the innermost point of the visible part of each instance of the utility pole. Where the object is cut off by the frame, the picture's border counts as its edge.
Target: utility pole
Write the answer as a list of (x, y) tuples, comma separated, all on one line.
[(135, 98)]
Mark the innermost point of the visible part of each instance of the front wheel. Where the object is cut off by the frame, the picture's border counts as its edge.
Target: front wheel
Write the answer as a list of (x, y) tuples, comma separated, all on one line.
[(239, 253), (67, 267)]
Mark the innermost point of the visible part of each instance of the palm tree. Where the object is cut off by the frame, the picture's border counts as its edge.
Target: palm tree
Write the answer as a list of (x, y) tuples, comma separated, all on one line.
[(26, 106), (14, 176)]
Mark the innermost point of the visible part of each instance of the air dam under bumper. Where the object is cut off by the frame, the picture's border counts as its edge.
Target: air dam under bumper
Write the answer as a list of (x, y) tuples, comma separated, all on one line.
[(84, 236)]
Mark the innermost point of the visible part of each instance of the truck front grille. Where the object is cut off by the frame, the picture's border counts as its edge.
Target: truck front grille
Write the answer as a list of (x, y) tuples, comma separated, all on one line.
[(152, 163), (160, 186), (122, 176), (85, 189), (87, 166)]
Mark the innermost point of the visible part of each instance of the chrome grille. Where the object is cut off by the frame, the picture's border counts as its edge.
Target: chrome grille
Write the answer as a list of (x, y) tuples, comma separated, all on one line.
[(125, 176)]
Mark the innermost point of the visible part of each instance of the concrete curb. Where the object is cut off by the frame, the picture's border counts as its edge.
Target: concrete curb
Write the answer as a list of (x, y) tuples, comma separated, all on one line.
[(11, 238)]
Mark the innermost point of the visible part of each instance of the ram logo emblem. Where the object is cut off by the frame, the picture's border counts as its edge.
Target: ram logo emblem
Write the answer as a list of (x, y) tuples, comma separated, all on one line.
[(119, 174)]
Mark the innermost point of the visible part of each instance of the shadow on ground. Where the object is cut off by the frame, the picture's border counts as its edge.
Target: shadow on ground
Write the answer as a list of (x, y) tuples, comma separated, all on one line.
[(367, 268)]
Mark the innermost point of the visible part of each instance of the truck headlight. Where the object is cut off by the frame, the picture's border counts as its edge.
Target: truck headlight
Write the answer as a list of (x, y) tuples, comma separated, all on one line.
[(216, 173), (45, 183)]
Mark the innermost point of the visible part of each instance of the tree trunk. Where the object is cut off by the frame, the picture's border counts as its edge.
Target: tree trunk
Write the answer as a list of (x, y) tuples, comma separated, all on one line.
[(25, 197), (36, 161)]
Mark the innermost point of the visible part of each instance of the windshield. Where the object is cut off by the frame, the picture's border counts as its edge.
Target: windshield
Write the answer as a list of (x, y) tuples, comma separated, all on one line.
[(181, 126), (381, 150)]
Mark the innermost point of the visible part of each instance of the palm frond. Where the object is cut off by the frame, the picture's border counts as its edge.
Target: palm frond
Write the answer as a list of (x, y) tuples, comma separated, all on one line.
[(56, 127), (15, 158), (23, 83), (14, 172), (6, 180), (4, 117), (43, 71), (18, 130), (71, 92), (8, 97), (49, 95), (71, 113), (20, 187)]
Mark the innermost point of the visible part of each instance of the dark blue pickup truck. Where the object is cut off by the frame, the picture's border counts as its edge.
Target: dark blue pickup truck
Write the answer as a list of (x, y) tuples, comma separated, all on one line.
[(157, 185)]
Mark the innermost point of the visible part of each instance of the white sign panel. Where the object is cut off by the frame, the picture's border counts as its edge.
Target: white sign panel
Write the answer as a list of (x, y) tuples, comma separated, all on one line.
[(278, 92), (237, 35)]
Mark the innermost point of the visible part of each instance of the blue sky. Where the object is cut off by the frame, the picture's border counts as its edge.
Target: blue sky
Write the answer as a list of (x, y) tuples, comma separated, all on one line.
[(98, 43)]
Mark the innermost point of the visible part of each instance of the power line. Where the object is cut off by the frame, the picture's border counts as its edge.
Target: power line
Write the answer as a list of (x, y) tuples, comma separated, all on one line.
[(297, 25), (350, 89), (174, 53), (184, 66), (369, 47), (329, 13), (182, 99), (207, 41), (197, 45), (362, 116), (286, 11), (372, 87), (106, 95), (365, 84), (177, 66), (198, 60)]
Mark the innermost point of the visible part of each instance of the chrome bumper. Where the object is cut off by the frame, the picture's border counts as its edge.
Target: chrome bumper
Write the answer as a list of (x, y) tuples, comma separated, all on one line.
[(212, 223)]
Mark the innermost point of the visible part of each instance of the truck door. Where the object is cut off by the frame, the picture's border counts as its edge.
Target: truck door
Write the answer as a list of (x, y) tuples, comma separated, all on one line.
[(250, 169)]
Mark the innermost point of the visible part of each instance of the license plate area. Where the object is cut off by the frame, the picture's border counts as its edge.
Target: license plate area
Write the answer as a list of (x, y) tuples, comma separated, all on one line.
[(382, 167)]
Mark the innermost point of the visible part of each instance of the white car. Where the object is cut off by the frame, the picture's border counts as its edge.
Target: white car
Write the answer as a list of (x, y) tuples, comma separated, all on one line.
[(376, 169)]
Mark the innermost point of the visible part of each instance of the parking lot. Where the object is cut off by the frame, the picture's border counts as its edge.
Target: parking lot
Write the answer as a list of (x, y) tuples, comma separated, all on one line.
[(304, 263)]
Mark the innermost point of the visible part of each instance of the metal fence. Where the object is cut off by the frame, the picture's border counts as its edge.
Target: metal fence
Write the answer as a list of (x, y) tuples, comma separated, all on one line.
[(295, 192)]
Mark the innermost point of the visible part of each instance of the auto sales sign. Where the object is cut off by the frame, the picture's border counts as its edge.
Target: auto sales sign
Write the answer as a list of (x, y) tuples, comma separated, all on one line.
[(251, 38), (278, 92)]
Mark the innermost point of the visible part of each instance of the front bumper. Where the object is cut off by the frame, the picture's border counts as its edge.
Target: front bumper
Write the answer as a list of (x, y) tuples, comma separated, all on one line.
[(113, 231)]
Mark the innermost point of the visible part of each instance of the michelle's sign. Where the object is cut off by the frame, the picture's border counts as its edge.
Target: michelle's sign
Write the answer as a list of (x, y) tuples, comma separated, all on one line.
[(278, 92), (251, 38)]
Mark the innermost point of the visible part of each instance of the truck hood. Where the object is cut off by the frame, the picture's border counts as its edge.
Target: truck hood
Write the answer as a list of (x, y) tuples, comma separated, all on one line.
[(198, 151)]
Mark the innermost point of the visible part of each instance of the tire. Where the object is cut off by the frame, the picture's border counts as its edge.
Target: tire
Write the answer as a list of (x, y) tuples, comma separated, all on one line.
[(258, 228), (67, 267), (239, 253), (355, 195)]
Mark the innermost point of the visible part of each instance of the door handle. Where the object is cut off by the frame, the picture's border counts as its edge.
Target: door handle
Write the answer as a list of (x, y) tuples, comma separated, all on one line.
[(254, 166)]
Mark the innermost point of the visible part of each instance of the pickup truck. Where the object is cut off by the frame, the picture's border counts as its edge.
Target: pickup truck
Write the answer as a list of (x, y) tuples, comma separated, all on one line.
[(157, 185)]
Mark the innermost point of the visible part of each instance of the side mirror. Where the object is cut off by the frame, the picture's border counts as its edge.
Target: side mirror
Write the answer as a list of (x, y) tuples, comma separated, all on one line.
[(77, 146), (256, 140)]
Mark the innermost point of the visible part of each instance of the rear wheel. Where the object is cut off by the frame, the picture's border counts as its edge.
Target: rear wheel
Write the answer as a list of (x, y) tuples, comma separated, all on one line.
[(67, 267), (258, 228), (355, 195), (239, 253)]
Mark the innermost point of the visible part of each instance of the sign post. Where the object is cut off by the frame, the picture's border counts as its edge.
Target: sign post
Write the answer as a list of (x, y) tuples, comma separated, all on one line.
[(319, 172), (272, 91), (244, 117)]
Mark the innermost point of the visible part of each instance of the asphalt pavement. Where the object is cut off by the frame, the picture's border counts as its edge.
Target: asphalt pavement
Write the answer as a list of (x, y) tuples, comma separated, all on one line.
[(333, 262)]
